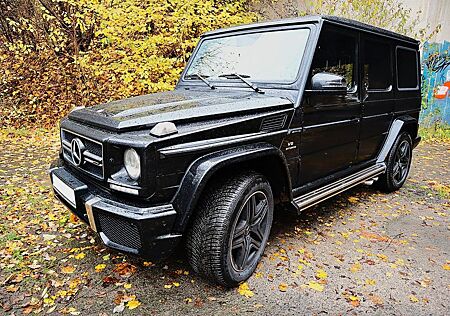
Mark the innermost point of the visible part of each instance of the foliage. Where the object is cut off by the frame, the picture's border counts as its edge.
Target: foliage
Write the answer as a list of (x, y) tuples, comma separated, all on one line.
[(58, 54), (37, 88), (388, 14), (142, 46), (436, 132), (40, 25)]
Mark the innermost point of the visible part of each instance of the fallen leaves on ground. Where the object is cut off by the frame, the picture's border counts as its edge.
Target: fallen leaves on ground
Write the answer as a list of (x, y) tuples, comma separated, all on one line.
[(375, 299), (133, 304), (100, 267), (80, 256), (244, 290), (321, 274), (355, 267), (315, 286), (353, 199), (370, 282), (283, 287), (68, 269), (125, 269)]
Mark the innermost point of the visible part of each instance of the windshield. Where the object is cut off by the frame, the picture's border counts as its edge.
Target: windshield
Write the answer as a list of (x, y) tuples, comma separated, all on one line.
[(269, 56)]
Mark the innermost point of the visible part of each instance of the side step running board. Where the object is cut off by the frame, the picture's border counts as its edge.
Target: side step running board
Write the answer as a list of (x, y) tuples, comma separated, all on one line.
[(323, 193)]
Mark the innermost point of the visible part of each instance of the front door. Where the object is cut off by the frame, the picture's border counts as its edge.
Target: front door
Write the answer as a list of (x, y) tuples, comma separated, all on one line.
[(331, 119)]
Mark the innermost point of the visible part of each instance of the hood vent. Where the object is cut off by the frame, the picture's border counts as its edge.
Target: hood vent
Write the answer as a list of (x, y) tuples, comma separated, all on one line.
[(273, 123)]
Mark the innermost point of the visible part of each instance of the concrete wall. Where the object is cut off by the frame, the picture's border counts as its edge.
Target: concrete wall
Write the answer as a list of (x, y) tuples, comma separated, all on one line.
[(432, 12), (435, 60)]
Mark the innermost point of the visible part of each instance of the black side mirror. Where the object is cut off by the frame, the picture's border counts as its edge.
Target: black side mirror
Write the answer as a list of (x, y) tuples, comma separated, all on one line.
[(328, 82)]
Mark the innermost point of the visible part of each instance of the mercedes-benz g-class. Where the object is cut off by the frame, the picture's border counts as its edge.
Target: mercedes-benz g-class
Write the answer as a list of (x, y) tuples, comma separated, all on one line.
[(270, 116)]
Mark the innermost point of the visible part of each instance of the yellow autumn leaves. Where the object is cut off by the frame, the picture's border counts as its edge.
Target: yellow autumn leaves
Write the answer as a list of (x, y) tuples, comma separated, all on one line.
[(133, 304), (244, 290), (321, 274), (355, 267), (119, 49), (321, 280), (68, 269), (173, 284), (319, 285), (100, 267), (80, 256), (316, 286), (142, 46)]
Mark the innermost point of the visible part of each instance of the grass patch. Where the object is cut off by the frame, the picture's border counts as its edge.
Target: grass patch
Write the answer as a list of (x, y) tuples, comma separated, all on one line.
[(435, 133), (9, 237), (442, 190)]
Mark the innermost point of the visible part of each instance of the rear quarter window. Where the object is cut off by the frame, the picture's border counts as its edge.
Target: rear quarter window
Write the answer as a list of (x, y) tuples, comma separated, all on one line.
[(407, 77)]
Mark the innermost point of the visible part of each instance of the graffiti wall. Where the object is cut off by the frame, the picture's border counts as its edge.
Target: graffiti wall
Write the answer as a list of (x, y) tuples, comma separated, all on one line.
[(435, 83)]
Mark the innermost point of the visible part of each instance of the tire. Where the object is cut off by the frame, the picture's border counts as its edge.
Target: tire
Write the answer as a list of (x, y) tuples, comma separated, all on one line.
[(221, 244), (398, 164)]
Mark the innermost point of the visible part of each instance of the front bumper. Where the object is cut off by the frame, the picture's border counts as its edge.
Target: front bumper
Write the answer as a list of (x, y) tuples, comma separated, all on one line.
[(143, 231)]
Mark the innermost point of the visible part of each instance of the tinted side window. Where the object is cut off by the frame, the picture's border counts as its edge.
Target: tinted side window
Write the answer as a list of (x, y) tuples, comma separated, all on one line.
[(335, 53), (406, 68), (377, 66)]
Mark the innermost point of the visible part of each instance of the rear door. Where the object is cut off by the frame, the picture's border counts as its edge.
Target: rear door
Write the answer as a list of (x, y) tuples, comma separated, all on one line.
[(377, 94), (331, 120)]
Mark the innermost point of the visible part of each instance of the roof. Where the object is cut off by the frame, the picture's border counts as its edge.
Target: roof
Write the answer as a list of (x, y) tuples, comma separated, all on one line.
[(314, 19)]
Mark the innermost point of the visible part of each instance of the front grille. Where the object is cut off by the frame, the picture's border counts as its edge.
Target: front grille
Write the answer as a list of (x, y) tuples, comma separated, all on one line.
[(92, 155), (119, 231)]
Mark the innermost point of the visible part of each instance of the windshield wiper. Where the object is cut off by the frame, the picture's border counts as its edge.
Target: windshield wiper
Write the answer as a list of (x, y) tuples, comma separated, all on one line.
[(202, 78), (242, 78)]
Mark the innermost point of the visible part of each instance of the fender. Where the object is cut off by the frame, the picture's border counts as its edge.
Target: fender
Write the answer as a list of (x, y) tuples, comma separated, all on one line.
[(396, 127), (202, 169)]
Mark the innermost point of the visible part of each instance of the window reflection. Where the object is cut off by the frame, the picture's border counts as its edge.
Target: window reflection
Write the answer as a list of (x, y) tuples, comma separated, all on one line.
[(268, 56)]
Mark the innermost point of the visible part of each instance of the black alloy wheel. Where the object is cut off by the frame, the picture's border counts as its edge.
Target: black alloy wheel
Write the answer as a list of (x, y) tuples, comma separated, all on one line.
[(231, 227), (398, 163), (248, 231), (402, 161)]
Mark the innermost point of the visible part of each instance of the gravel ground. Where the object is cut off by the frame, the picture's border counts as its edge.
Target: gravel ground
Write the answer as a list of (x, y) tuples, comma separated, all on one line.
[(362, 252)]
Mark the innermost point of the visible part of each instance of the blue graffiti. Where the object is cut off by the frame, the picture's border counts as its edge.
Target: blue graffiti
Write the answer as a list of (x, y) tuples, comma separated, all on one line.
[(435, 83)]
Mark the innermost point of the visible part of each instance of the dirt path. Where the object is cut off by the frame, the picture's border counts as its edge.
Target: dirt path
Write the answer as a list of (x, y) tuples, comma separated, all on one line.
[(362, 252)]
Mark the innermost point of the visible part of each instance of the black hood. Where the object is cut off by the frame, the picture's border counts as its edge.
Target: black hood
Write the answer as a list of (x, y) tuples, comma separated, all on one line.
[(174, 106)]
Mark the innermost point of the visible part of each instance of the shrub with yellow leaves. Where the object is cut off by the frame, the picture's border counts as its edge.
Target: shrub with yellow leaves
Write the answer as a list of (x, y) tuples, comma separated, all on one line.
[(142, 46), (95, 51)]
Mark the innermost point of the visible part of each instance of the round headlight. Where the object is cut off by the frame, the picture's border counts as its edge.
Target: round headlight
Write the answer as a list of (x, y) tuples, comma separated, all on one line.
[(132, 163)]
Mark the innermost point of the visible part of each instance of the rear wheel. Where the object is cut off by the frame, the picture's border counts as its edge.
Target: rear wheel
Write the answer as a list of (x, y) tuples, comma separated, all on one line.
[(231, 228), (397, 164)]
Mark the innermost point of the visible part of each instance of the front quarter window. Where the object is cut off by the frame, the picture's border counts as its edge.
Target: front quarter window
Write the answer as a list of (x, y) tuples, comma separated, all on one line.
[(272, 56)]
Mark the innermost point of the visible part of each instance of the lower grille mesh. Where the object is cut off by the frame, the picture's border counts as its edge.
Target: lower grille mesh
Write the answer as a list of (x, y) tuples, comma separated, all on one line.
[(120, 231)]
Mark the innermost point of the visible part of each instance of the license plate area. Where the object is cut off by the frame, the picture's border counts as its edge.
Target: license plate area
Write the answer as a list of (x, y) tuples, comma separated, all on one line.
[(65, 191)]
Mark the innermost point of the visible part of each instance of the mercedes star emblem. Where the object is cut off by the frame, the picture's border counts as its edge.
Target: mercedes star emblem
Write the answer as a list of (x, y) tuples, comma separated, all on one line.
[(77, 148)]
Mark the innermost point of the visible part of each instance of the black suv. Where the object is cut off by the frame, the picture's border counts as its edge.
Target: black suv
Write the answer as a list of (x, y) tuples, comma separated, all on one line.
[(277, 115)]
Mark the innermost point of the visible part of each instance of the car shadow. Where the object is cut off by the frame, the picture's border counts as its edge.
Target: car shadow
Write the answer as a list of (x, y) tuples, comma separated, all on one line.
[(175, 271)]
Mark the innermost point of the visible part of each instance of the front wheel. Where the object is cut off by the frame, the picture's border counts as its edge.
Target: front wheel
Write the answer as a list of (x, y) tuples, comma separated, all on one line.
[(397, 164), (231, 229)]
